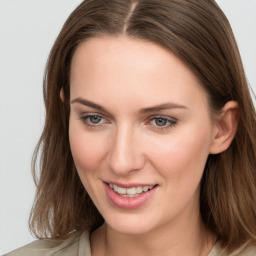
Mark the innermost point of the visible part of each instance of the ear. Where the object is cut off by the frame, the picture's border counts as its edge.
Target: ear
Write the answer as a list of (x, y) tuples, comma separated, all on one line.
[(62, 96), (226, 124)]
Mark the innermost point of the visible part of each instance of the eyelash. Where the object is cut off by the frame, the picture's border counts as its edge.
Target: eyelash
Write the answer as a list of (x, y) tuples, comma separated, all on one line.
[(85, 119), (171, 122)]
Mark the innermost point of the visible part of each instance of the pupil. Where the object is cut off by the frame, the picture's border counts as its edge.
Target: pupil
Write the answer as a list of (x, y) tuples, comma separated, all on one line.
[(95, 119), (161, 122)]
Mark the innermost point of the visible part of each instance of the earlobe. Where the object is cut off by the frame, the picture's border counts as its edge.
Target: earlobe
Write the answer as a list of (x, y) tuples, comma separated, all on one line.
[(225, 127), (62, 97)]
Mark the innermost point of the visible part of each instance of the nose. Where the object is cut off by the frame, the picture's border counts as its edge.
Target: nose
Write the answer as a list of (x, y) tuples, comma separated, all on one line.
[(125, 155)]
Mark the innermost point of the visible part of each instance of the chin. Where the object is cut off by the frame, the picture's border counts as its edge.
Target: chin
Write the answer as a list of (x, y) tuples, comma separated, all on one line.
[(133, 224)]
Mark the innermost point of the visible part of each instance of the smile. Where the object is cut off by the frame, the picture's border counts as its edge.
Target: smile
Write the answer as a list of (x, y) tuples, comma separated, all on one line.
[(129, 196), (130, 192)]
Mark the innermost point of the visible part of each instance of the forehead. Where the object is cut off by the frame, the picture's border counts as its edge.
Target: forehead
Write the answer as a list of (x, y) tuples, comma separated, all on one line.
[(127, 53), (134, 69)]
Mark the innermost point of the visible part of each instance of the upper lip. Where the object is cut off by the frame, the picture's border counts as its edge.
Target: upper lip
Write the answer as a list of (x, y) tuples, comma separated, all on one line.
[(129, 185)]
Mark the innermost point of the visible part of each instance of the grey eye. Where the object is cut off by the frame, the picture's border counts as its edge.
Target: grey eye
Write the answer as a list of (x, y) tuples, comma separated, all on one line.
[(160, 121), (95, 119)]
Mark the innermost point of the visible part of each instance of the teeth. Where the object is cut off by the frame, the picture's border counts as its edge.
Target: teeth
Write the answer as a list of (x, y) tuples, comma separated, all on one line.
[(145, 188), (121, 190), (139, 190), (130, 192)]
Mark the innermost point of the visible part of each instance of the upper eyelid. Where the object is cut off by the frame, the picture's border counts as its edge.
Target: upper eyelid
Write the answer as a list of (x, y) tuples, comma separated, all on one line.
[(150, 118), (163, 117), (90, 115), (170, 120), (85, 114)]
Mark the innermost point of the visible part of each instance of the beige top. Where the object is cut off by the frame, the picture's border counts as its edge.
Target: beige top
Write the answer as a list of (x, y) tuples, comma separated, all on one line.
[(79, 245)]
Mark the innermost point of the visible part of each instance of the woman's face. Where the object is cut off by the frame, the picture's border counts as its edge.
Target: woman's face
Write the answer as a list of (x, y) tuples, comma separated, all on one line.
[(140, 125)]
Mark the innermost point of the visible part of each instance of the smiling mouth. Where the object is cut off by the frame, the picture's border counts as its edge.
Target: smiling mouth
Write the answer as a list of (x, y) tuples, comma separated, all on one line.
[(130, 192)]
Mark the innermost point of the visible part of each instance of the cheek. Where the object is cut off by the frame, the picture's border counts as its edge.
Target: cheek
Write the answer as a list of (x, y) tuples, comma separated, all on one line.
[(181, 157), (87, 150)]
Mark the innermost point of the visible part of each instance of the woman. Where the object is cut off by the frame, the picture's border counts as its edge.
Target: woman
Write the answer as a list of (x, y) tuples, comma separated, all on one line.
[(149, 145)]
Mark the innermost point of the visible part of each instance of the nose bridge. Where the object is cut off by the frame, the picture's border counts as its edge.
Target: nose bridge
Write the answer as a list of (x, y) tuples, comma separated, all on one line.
[(124, 155)]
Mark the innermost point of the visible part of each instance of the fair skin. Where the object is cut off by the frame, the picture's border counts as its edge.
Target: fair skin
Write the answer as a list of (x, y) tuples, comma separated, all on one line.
[(139, 117)]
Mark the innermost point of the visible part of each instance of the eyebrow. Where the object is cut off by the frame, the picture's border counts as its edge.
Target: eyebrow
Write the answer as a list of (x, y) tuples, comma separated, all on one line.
[(142, 111), (90, 104), (162, 107)]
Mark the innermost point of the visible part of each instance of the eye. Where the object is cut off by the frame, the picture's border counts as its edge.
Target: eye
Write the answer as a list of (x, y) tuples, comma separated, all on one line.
[(93, 120), (160, 121), (163, 122)]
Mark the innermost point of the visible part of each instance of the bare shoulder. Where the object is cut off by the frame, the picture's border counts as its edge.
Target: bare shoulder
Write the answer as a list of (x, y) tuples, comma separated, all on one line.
[(76, 244)]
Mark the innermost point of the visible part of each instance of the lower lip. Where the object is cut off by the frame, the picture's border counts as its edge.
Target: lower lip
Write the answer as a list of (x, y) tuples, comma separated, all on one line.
[(128, 202)]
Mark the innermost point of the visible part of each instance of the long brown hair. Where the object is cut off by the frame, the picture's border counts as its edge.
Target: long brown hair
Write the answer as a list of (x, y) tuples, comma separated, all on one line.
[(198, 32)]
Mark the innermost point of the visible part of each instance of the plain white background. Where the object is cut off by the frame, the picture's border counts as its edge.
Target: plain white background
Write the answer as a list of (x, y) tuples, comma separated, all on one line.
[(28, 29)]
